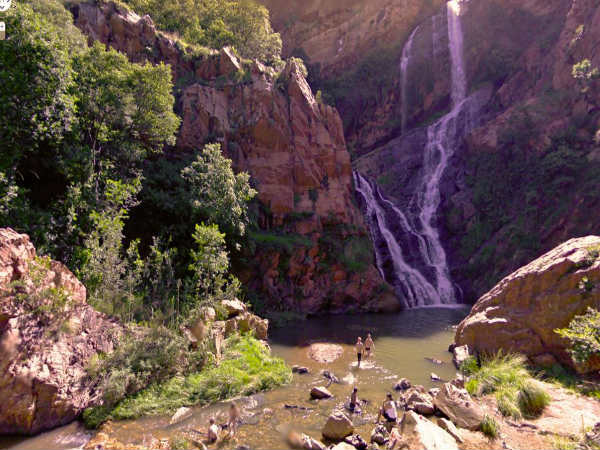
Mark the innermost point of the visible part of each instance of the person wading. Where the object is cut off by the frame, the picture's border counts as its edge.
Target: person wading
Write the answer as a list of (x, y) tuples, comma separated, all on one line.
[(234, 419), (369, 346), (359, 350), (354, 399)]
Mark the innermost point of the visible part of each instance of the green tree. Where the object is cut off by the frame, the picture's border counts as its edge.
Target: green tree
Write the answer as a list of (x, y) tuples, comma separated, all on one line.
[(584, 334), (210, 261), (125, 111), (218, 195)]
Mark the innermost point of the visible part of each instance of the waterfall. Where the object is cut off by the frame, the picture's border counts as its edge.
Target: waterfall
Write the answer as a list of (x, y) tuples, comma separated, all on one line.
[(409, 252), (404, 60)]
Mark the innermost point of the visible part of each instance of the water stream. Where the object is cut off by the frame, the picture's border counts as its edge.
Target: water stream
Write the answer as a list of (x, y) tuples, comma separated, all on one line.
[(402, 341)]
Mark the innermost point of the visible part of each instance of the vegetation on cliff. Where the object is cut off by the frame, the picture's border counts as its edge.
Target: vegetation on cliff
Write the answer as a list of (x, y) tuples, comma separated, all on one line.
[(82, 132)]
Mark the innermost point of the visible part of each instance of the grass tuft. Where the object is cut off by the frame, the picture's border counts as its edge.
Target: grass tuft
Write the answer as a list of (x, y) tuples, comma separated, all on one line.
[(489, 427), (532, 400)]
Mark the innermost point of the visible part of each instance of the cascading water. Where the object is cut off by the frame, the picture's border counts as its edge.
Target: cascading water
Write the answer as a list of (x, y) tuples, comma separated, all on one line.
[(409, 252), (404, 61)]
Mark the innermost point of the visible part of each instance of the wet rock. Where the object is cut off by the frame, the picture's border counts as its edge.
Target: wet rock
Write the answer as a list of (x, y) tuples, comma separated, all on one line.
[(181, 414), (402, 385), (302, 441), (435, 377), (299, 369), (379, 435), (325, 353), (331, 377), (459, 407), (450, 428), (320, 392), (338, 426), (423, 433), (437, 362), (461, 354), (356, 441)]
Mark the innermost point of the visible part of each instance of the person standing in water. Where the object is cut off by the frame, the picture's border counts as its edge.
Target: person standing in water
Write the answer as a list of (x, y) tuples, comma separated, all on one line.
[(234, 418), (369, 346), (354, 399), (359, 350)]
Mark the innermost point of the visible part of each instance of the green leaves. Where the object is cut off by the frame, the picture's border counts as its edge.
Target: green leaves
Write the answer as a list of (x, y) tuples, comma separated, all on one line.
[(584, 334), (218, 195)]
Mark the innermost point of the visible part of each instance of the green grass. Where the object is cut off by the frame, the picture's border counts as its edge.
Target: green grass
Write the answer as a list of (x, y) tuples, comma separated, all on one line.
[(568, 379), (247, 368), (563, 443), (489, 427), (287, 242), (506, 376)]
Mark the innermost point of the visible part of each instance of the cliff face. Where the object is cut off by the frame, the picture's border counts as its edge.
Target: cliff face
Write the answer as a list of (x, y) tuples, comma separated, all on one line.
[(45, 343), (271, 126)]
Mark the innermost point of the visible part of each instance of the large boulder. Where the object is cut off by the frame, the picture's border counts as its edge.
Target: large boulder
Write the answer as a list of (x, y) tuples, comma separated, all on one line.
[(424, 434), (320, 392), (48, 333), (337, 427), (458, 405), (521, 312)]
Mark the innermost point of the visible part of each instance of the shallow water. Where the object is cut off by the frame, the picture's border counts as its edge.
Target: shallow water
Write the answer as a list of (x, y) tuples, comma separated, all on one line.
[(402, 342)]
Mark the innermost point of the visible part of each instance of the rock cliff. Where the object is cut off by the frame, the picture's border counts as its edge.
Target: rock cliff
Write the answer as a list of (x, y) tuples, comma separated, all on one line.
[(48, 333), (521, 312), (293, 146)]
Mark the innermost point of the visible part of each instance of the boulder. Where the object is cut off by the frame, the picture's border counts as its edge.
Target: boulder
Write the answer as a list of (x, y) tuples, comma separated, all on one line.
[(45, 349), (402, 385), (233, 307), (433, 392), (426, 409), (458, 405), (522, 311), (461, 354), (325, 353), (435, 377), (422, 433), (450, 428), (181, 414), (302, 441), (343, 446), (337, 427), (299, 369), (379, 435), (247, 322), (320, 392), (356, 441)]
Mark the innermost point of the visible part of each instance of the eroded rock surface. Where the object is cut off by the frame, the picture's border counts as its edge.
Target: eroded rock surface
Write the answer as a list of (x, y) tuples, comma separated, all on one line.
[(48, 333), (521, 312)]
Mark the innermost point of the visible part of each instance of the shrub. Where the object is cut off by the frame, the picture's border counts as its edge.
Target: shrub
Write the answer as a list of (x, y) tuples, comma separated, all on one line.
[(469, 366), (532, 400), (506, 376), (247, 368), (489, 427), (584, 334)]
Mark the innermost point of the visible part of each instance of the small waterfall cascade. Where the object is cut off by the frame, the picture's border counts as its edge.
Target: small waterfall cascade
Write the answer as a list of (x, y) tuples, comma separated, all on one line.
[(404, 61), (409, 252)]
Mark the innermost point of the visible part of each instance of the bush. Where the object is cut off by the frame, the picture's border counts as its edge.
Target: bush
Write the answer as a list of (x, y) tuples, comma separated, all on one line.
[(532, 400), (489, 427), (506, 376), (469, 366), (247, 368), (584, 334)]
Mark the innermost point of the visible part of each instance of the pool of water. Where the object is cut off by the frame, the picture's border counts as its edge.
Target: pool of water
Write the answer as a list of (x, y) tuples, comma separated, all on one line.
[(403, 341)]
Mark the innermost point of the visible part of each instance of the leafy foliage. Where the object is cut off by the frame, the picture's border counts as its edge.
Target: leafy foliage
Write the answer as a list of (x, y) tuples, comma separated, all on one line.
[(584, 334), (243, 24), (489, 427)]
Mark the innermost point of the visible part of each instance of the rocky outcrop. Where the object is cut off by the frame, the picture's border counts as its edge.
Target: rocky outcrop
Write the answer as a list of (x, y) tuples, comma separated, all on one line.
[(293, 146), (48, 333), (459, 407), (521, 312), (423, 434)]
